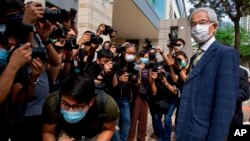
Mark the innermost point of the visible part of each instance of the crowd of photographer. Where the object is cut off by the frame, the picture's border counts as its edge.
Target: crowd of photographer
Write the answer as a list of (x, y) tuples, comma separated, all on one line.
[(58, 86)]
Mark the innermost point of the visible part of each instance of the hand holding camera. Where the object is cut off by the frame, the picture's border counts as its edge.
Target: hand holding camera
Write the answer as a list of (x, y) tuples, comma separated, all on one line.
[(153, 75), (32, 13), (107, 68), (37, 66), (21, 56), (124, 77)]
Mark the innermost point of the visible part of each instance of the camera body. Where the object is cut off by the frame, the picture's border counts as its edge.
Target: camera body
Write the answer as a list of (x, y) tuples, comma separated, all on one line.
[(108, 30), (173, 36), (177, 60), (148, 44), (94, 39), (160, 74), (70, 44), (58, 15), (39, 52)]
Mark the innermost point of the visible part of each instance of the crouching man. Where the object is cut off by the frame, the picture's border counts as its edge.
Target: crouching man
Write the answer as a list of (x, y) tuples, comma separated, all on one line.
[(78, 113)]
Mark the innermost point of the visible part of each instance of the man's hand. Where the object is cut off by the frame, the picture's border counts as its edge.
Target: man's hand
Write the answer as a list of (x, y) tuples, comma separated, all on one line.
[(21, 56), (33, 12), (124, 77), (85, 38), (159, 49), (44, 29), (108, 67), (153, 75), (37, 66)]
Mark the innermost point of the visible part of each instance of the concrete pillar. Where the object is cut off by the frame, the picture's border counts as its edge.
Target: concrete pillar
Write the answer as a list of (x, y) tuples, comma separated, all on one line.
[(183, 32)]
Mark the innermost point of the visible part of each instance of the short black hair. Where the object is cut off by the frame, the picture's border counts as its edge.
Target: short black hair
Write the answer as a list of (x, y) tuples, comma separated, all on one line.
[(81, 89), (142, 53), (7, 5), (105, 53), (181, 40)]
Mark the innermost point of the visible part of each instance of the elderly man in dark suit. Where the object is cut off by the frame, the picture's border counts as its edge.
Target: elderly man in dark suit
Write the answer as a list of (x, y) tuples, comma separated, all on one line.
[(210, 92)]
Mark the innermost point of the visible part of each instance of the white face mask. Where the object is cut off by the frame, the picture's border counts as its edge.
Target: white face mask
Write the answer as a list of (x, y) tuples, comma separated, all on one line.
[(129, 58), (179, 48), (200, 33)]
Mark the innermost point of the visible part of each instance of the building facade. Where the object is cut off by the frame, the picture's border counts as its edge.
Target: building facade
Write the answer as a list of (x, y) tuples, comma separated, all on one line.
[(245, 23), (134, 20)]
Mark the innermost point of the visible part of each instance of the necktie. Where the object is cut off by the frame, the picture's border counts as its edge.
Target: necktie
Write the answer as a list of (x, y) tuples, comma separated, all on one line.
[(194, 59)]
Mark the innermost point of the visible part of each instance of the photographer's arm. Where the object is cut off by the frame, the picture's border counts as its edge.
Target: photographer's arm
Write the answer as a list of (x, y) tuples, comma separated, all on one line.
[(38, 67), (152, 82), (108, 131), (183, 74), (174, 77), (19, 57), (48, 132), (53, 57)]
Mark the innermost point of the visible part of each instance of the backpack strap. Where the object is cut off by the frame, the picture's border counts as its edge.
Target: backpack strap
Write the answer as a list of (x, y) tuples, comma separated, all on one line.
[(101, 105)]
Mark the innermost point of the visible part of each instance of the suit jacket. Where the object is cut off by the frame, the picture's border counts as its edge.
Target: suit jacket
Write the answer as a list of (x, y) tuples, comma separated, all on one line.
[(243, 95), (209, 96)]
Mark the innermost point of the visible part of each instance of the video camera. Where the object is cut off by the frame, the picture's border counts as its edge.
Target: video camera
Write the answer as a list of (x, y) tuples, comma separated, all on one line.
[(147, 44), (173, 36), (108, 30)]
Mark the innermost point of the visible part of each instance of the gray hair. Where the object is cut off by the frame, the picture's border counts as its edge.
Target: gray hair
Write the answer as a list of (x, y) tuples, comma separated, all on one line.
[(210, 12)]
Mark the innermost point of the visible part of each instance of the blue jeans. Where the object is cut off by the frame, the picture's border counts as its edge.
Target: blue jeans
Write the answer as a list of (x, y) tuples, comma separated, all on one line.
[(124, 120), (164, 132)]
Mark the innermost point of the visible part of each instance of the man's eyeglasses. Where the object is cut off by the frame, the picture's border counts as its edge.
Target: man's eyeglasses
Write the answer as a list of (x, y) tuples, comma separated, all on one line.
[(202, 22), (75, 107)]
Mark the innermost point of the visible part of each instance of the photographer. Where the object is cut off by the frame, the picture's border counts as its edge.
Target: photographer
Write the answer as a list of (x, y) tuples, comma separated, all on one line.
[(140, 110), (77, 113), (125, 89), (162, 102)]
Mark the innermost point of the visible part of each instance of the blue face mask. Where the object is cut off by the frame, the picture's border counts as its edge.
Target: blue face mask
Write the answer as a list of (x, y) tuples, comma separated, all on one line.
[(183, 64), (144, 60), (3, 56), (73, 117)]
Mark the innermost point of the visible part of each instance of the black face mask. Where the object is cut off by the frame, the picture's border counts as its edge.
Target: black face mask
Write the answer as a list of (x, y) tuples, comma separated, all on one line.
[(151, 56)]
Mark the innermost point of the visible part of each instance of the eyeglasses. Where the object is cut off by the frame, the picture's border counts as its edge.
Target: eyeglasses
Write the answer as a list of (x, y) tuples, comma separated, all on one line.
[(202, 22), (75, 107)]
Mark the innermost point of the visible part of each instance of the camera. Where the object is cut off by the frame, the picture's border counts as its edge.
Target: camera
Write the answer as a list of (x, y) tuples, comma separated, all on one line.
[(60, 32), (58, 15), (70, 44), (132, 78), (177, 60), (116, 66), (149, 66), (39, 52), (173, 36), (147, 44), (94, 39), (108, 30), (72, 15), (160, 74)]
